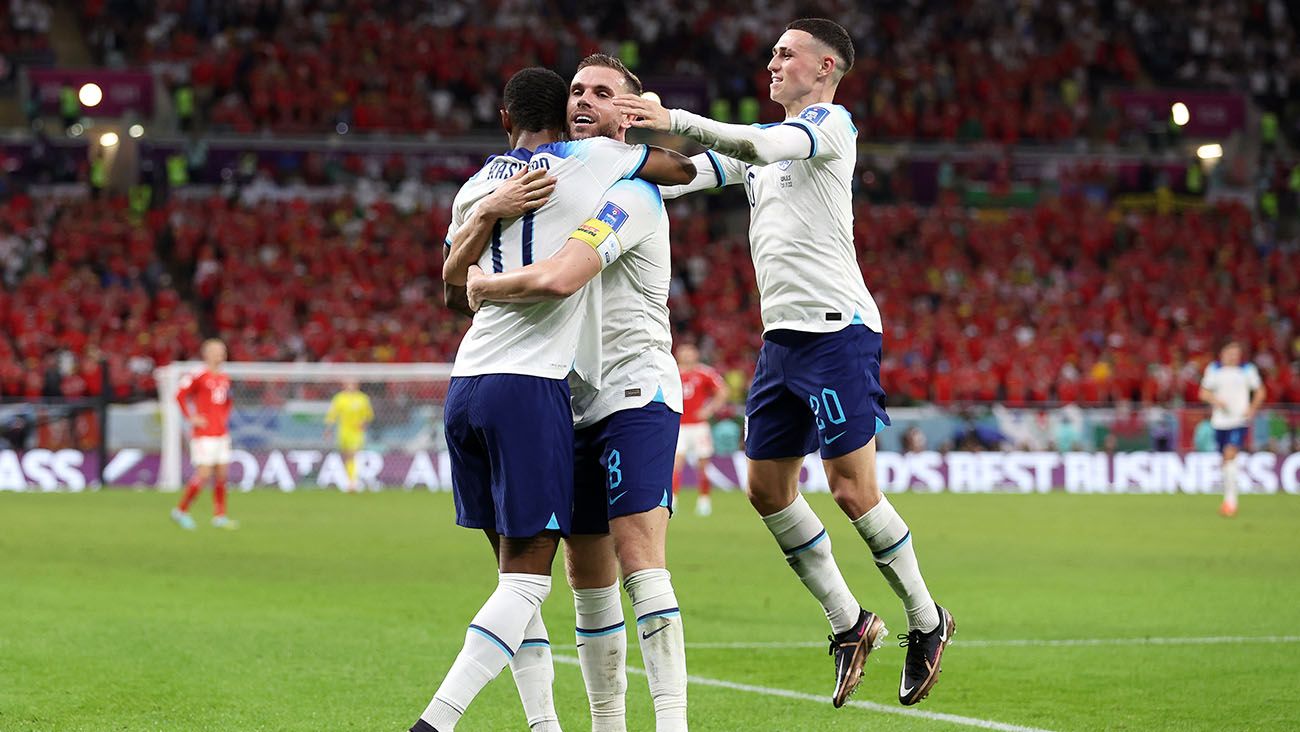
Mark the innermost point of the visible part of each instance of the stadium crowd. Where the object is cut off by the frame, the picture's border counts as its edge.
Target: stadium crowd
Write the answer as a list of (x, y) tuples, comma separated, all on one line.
[(1069, 301), (1020, 72)]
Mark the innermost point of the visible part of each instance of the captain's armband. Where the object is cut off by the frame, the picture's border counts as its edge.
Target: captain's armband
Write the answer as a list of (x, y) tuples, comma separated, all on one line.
[(601, 237)]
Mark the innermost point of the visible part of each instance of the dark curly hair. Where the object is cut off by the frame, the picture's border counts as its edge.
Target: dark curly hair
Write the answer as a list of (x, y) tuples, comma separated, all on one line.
[(535, 98)]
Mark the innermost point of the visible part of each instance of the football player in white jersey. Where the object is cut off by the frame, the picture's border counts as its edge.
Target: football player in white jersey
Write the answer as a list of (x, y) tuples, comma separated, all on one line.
[(508, 421), (1236, 392), (816, 384), (626, 430)]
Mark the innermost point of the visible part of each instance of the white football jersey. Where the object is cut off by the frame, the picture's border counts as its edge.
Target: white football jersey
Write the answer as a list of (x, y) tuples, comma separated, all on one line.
[(637, 364), (801, 228), (1231, 385), (542, 339)]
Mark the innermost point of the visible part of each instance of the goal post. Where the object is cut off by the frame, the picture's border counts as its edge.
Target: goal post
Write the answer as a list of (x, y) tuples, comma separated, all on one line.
[(278, 415)]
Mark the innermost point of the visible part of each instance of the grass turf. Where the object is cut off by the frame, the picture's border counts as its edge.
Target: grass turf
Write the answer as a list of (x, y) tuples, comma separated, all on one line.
[(338, 612)]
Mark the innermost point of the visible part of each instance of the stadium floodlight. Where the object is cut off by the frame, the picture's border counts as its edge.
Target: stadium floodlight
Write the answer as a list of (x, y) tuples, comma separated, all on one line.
[(76, 130), (1181, 114), (108, 139), (1212, 151), (136, 131), (90, 94)]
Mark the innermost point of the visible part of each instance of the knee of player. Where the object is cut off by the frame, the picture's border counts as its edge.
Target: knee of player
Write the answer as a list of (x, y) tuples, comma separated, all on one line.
[(855, 494)]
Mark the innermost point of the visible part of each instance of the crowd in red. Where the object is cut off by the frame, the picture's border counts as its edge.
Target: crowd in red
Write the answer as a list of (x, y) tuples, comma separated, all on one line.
[(927, 69), (1069, 301), (24, 34)]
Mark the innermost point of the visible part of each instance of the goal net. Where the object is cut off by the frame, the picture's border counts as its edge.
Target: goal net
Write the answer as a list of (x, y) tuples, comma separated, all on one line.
[(279, 432)]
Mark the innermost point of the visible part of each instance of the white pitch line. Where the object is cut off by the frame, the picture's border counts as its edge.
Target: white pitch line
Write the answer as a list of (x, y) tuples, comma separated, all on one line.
[(1211, 640), (869, 706)]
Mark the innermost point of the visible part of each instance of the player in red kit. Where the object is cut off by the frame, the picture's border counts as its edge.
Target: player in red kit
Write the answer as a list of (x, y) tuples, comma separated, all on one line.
[(703, 394), (204, 397)]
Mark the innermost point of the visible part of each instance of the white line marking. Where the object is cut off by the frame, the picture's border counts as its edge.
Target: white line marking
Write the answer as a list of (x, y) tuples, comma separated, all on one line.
[(869, 706), (1212, 640)]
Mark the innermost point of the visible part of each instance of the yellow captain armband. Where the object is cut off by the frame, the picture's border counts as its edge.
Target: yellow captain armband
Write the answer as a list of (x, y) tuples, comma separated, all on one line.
[(601, 237)]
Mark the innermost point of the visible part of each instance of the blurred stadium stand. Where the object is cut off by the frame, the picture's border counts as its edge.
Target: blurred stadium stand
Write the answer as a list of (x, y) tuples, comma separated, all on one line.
[(1034, 224)]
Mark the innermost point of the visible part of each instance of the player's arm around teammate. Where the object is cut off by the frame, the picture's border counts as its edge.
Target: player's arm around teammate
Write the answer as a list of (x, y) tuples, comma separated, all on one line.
[(528, 191)]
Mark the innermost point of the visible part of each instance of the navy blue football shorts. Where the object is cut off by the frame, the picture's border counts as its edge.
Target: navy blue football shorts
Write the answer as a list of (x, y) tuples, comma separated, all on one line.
[(623, 465), (510, 438), (815, 392)]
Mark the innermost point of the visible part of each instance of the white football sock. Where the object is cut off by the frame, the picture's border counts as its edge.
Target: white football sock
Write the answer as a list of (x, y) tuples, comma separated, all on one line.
[(891, 544), (534, 674), (663, 645), (602, 655), (807, 548), (490, 643), (1230, 482)]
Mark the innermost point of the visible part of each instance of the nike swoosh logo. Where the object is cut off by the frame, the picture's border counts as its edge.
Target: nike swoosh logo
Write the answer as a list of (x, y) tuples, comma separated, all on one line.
[(904, 691), (614, 500), (829, 440), (646, 636)]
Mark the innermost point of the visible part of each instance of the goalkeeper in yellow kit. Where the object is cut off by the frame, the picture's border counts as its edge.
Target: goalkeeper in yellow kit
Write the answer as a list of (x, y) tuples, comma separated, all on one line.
[(350, 410)]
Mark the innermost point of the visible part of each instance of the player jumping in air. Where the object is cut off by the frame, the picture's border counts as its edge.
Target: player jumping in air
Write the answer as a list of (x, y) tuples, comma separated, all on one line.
[(350, 412), (204, 398), (703, 394), (816, 384), (626, 428), (508, 421), (1227, 386)]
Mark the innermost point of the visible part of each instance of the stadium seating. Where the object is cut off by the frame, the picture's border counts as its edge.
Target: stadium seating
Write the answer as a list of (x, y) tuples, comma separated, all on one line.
[(1036, 72), (978, 305)]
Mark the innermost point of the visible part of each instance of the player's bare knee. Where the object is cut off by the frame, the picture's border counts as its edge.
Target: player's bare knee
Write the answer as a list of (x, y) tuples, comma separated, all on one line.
[(639, 540), (589, 561), (855, 495), (531, 555)]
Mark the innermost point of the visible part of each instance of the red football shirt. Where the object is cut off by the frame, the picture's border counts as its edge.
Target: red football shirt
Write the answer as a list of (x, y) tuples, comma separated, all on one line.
[(209, 393), (699, 385)]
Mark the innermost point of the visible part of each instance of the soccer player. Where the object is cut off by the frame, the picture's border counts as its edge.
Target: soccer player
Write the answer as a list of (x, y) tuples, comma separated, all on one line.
[(626, 428), (816, 384), (350, 410), (703, 394), (1235, 391), (204, 398), (508, 421)]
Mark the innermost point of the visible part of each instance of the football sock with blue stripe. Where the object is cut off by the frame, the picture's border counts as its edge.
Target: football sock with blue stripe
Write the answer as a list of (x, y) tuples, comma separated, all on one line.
[(807, 548), (890, 542), (663, 644), (602, 655), (534, 673), (493, 637)]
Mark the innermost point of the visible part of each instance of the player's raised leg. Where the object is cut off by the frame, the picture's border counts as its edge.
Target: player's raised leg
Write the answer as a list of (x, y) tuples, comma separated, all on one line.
[(853, 484), (839, 374), (855, 632)]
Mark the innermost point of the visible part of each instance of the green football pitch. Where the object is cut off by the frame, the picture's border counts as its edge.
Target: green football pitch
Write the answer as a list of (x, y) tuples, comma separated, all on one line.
[(341, 612)]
